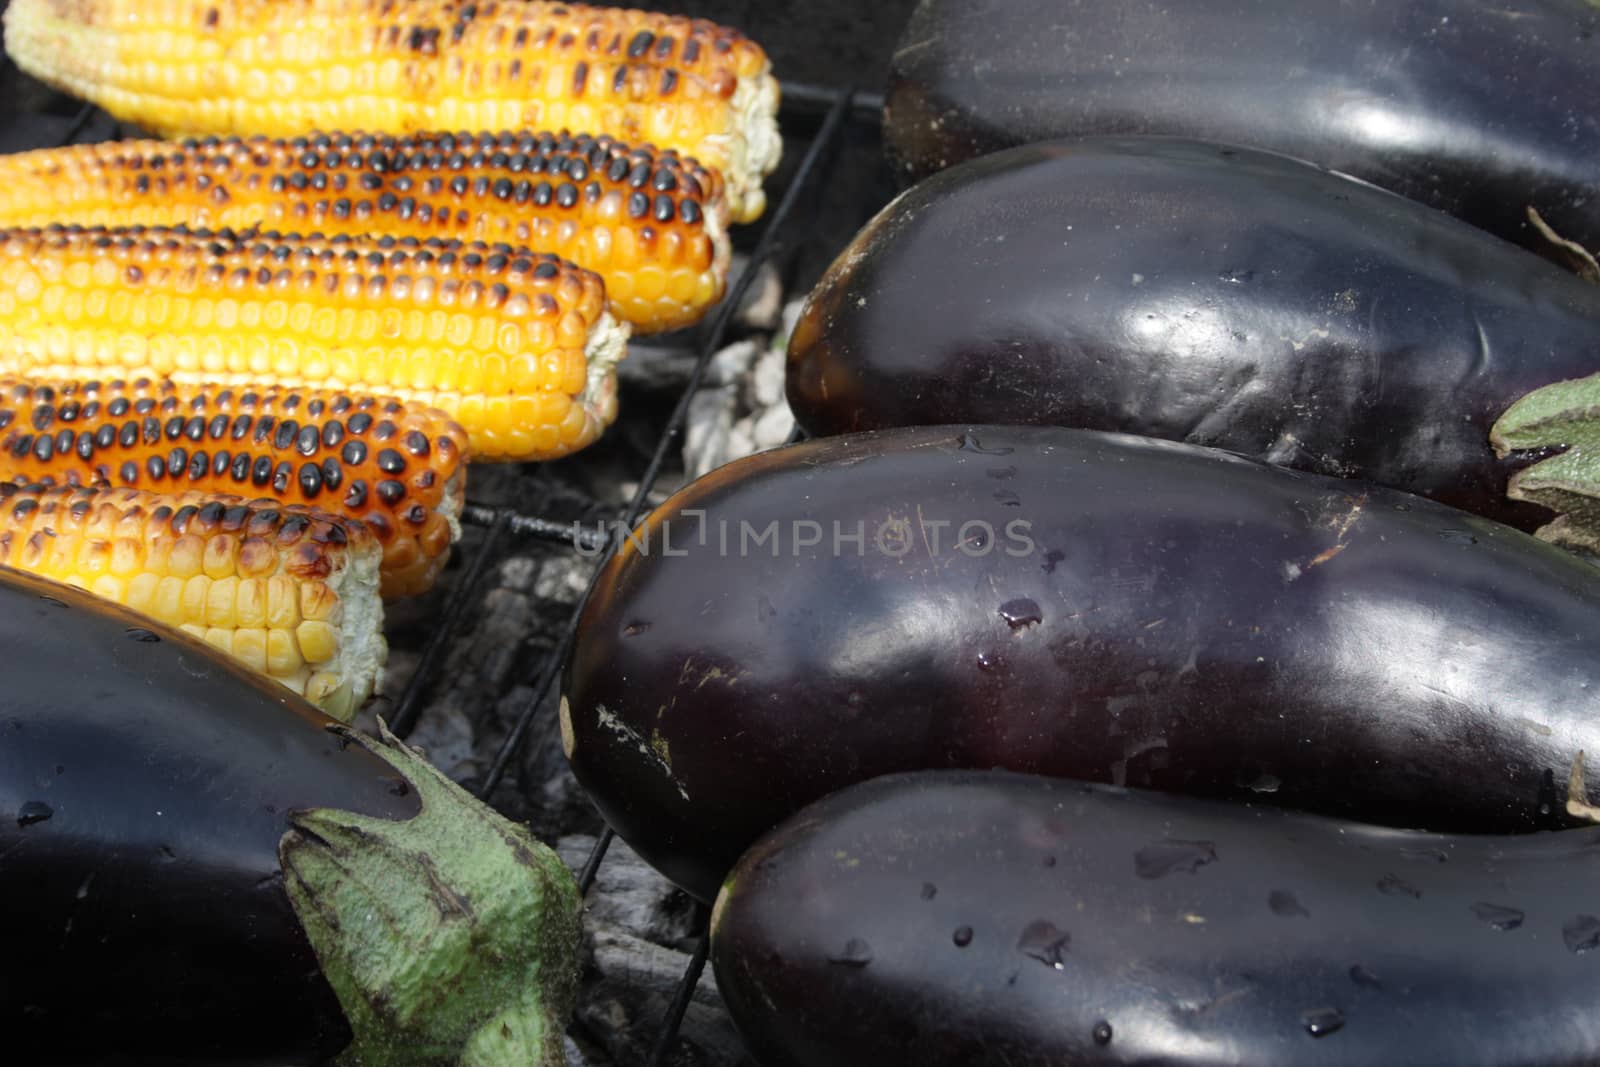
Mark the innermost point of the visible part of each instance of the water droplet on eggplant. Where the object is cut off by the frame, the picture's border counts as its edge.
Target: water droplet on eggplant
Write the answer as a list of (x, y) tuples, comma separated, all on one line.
[(1364, 978), (1166, 857), (1237, 277), (1320, 1022), (970, 443), (1044, 941), (1102, 1033), (140, 634), (1021, 613), (1498, 917), (33, 811), (1282, 902), (962, 937), (856, 953), (1391, 886), (1581, 933)]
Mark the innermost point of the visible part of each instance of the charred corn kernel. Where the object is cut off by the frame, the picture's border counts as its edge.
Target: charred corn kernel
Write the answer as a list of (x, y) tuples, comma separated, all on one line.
[(305, 447), (284, 69), (587, 199), (505, 285), (66, 533)]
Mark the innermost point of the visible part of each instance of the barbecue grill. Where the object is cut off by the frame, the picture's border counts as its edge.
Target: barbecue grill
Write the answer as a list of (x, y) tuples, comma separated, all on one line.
[(547, 529)]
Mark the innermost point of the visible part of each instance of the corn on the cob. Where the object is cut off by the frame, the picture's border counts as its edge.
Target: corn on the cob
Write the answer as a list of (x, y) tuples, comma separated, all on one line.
[(517, 346), (287, 590), (286, 67), (650, 223), (397, 468)]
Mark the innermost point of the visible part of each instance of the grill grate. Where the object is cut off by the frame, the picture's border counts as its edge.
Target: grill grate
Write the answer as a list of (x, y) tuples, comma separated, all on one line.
[(801, 197)]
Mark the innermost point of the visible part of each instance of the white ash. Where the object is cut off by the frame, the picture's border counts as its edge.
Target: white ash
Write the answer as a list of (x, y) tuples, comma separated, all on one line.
[(740, 408)]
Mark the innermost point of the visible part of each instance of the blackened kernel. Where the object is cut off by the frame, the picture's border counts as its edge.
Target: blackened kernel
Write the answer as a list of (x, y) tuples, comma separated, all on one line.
[(689, 211), (211, 513), (105, 436), (371, 182), (68, 411), (640, 44), (144, 405), (220, 462), (240, 428), (128, 436), (357, 496), (566, 194), (546, 269), (261, 471), (239, 469), (542, 194), (150, 430), (640, 174), (174, 428), (118, 407), (156, 467), (663, 212), (391, 462), (280, 477), (669, 81), (307, 440), (43, 416), (619, 80), (287, 429), (183, 517), (64, 438), (177, 461), (218, 428), (85, 446), (391, 492), (416, 442), (43, 448), (199, 466), (332, 473), (264, 427), (332, 433), (310, 480), (359, 423), (195, 429), (618, 169), (355, 452), (128, 473), (234, 518), (664, 182)]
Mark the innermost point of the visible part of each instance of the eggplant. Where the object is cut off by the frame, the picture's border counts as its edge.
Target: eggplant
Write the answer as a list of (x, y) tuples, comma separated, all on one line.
[(1482, 110), (201, 868), (1195, 292), (953, 917), (1067, 602)]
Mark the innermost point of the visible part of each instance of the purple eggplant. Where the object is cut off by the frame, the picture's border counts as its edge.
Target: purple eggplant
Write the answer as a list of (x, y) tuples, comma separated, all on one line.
[(1215, 295), (962, 918), (201, 868), (1066, 602), (1479, 109)]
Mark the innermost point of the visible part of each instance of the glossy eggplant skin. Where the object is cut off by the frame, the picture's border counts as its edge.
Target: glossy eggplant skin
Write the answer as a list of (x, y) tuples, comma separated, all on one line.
[(1476, 108), (1117, 609), (1199, 293), (145, 782), (966, 918)]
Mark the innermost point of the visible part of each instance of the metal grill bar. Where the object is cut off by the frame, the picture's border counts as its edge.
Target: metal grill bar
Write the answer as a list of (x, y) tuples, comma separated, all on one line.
[(810, 167), (680, 1000)]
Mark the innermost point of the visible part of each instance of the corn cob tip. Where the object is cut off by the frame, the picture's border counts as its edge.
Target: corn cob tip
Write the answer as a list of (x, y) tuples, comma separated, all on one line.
[(289, 591), (689, 84)]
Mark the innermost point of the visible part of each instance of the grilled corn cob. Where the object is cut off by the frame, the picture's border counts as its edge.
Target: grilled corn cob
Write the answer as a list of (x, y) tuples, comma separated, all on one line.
[(516, 346), (395, 467), (650, 223), (286, 67), (289, 591)]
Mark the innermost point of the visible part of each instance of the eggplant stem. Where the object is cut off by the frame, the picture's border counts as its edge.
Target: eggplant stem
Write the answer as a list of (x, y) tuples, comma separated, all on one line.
[(1563, 418), (1579, 259), (1578, 805)]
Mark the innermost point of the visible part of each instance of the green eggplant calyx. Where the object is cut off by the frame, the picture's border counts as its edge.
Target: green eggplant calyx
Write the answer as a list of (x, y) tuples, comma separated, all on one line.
[(452, 937), (1566, 416)]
